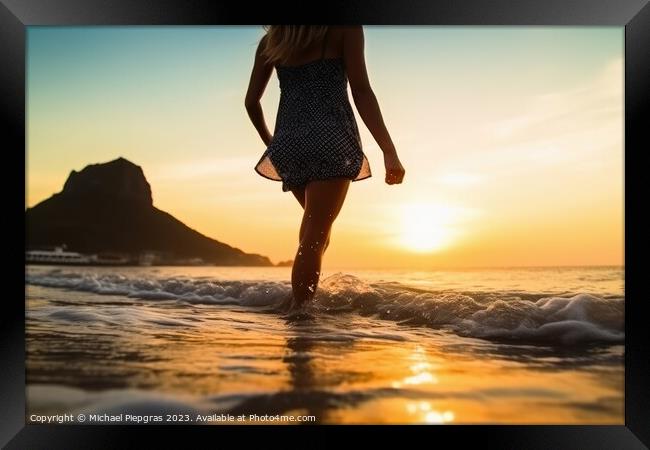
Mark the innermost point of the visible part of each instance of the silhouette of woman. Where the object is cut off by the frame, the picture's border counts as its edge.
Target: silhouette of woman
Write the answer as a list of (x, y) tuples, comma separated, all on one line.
[(315, 150)]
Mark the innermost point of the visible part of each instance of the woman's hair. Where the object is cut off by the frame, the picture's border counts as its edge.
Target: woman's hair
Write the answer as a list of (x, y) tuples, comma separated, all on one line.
[(283, 40)]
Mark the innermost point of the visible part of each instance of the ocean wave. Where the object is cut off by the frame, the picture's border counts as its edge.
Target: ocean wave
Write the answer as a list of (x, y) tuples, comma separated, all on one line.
[(536, 319)]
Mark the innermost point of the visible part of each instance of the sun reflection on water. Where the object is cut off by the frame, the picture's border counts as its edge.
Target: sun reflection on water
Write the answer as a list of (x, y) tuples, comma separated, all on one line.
[(421, 369), (422, 374), (439, 417)]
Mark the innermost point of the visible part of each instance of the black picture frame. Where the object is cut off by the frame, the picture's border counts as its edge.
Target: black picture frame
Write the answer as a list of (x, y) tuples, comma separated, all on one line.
[(633, 15)]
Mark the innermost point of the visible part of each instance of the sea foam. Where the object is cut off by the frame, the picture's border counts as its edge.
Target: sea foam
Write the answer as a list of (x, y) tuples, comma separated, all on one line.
[(541, 319)]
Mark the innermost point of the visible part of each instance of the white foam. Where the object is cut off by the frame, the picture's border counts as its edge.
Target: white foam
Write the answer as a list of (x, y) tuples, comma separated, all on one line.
[(581, 318)]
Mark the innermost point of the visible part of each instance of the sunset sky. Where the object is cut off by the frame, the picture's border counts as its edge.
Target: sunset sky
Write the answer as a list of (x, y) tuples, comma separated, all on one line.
[(511, 137)]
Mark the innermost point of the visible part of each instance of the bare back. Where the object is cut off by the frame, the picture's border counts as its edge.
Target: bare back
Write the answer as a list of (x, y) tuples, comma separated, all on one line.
[(333, 48)]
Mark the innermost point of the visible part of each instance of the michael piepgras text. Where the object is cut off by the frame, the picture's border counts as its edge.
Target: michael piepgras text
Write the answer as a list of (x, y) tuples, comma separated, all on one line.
[(168, 418)]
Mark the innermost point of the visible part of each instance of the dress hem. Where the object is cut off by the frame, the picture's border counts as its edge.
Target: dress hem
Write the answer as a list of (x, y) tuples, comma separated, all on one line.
[(325, 178), (264, 156), (265, 176), (288, 189)]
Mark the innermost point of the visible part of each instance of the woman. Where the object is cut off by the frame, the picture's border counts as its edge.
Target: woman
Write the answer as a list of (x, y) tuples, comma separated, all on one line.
[(316, 149)]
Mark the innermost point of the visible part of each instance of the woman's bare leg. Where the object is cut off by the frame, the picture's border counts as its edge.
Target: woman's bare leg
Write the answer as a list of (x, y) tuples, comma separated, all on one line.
[(299, 193), (323, 202)]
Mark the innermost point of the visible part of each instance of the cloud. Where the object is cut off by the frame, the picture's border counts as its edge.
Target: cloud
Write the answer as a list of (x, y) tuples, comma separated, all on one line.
[(583, 108), (568, 126), (459, 179), (205, 169)]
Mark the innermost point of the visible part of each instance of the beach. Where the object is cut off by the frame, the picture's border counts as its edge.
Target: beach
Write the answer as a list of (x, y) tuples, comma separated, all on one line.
[(208, 345)]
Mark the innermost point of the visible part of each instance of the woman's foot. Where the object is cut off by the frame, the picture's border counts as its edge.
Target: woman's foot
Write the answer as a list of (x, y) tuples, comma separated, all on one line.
[(286, 304), (298, 312)]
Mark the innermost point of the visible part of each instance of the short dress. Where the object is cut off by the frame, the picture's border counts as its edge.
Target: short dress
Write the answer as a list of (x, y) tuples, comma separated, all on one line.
[(316, 135)]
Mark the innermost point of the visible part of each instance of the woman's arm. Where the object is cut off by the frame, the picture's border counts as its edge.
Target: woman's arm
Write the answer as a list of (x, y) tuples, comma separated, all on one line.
[(259, 79), (366, 101)]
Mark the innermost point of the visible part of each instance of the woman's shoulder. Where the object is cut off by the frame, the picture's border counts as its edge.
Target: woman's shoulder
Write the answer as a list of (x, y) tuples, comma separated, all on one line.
[(263, 41)]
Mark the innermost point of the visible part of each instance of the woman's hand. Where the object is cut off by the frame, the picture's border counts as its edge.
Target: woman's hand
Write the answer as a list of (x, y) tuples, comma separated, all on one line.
[(394, 170)]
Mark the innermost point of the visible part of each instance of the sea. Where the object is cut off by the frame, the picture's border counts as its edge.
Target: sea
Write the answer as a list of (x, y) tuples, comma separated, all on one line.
[(215, 345)]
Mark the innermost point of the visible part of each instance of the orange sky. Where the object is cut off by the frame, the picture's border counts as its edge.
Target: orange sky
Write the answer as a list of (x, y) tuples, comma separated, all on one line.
[(512, 139)]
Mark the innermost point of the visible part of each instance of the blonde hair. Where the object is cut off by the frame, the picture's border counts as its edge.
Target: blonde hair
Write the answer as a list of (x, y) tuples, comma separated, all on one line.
[(283, 40)]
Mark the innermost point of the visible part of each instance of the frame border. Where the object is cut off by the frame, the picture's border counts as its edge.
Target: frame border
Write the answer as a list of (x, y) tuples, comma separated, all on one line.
[(633, 15)]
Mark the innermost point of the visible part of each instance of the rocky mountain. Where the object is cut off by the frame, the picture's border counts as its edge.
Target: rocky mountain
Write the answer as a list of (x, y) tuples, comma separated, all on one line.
[(109, 208)]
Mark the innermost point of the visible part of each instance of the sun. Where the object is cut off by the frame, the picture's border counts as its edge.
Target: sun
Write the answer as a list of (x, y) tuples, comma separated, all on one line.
[(426, 227)]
